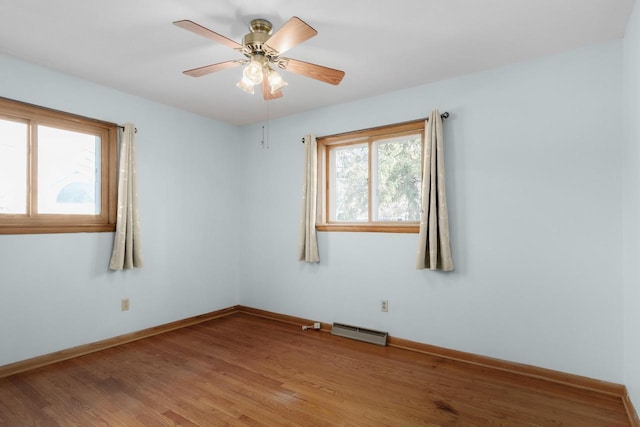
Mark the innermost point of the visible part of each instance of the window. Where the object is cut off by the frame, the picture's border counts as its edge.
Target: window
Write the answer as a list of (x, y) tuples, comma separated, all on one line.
[(57, 171), (370, 180)]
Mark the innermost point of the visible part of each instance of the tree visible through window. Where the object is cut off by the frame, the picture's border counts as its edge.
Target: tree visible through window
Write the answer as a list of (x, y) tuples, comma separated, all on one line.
[(370, 180), (349, 181), (398, 166)]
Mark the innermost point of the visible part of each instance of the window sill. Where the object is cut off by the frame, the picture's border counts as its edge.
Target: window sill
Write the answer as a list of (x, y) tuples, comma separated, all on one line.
[(54, 228), (413, 228)]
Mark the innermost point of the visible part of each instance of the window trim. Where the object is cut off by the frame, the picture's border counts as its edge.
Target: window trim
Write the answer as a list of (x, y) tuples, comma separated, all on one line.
[(325, 143), (34, 223)]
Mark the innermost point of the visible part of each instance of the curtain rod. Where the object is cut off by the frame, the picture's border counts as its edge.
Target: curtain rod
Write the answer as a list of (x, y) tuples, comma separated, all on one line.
[(134, 129), (444, 115)]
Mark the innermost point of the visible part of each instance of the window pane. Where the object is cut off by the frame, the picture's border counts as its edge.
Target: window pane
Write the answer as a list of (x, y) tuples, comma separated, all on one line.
[(68, 172), (13, 167), (397, 176), (349, 189)]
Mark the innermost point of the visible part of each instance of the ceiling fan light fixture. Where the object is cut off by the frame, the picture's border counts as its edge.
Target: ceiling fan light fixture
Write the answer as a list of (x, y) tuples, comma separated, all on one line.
[(276, 82), (253, 72), (246, 85)]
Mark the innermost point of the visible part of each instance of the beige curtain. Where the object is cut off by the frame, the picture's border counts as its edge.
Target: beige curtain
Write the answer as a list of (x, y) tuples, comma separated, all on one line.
[(434, 249), (126, 246), (308, 243)]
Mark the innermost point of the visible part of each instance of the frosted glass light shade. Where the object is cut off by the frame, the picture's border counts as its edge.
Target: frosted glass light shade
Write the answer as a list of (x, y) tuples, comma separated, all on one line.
[(275, 81), (253, 72), (246, 85)]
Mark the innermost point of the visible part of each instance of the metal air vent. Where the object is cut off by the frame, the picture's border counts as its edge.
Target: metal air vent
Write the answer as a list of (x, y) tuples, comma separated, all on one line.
[(360, 334)]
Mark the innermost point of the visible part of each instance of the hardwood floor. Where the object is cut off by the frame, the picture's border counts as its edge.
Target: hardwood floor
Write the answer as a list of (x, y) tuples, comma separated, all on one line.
[(243, 370)]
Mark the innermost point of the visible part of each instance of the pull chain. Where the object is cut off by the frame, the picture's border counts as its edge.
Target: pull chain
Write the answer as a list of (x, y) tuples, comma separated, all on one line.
[(265, 132)]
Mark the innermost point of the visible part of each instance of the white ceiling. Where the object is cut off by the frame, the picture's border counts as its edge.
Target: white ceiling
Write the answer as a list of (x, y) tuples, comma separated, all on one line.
[(382, 45)]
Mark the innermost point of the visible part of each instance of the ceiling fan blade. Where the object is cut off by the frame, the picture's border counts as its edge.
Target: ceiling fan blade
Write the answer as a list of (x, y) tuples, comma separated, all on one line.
[(318, 72), (293, 32), (208, 69), (266, 91), (205, 32)]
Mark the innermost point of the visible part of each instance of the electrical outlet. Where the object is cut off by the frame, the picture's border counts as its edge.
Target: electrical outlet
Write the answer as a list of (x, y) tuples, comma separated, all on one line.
[(316, 325), (124, 304), (384, 305)]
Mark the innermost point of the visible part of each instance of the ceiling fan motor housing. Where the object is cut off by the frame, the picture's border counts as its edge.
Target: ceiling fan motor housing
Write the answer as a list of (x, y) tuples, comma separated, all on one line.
[(254, 41)]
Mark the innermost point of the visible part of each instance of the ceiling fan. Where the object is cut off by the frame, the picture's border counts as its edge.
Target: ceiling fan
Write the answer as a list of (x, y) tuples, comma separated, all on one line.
[(262, 51)]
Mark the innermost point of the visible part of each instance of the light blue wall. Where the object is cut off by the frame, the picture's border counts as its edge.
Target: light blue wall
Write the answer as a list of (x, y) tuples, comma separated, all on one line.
[(631, 213), (533, 157), (534, 167), (56, 291)]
